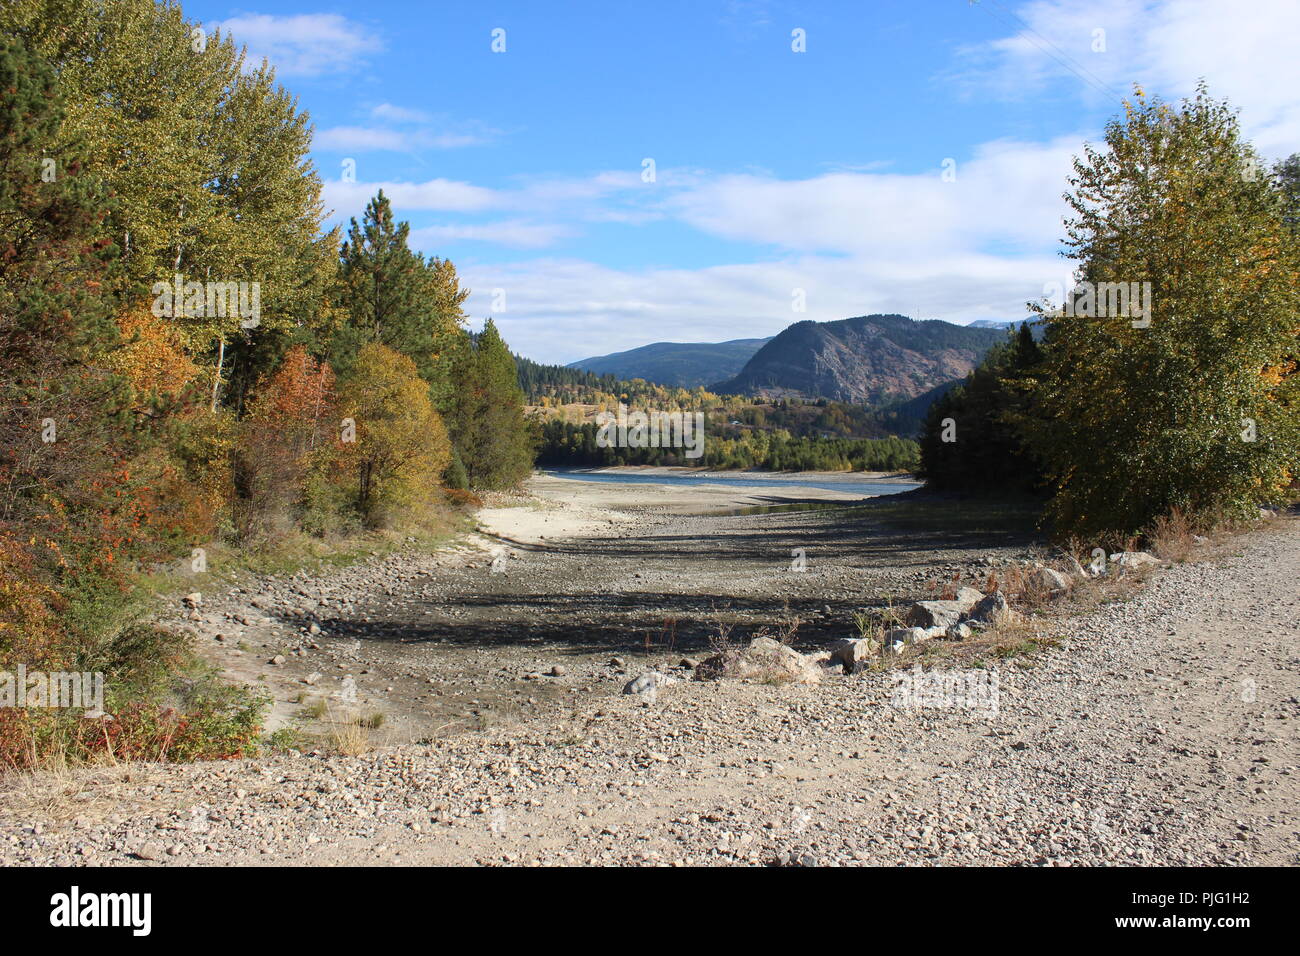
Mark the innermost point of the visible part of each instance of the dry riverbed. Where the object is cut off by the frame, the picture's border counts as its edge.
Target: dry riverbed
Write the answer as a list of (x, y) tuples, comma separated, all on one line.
[(1161, 729)]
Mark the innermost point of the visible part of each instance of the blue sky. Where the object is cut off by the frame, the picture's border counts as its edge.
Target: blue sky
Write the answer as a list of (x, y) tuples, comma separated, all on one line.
[(780, 177)]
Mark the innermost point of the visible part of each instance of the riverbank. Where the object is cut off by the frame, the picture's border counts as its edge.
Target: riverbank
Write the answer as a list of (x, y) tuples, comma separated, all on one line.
[(1157, 732)]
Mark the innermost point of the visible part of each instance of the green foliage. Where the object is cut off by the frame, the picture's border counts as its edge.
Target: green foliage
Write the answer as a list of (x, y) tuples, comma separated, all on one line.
[(391, 295), (971, 438), (1132, 423), (496, 442), (401, 447)]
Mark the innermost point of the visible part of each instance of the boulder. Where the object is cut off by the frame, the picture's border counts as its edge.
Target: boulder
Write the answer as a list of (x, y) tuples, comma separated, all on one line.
[(851, 652), (936, 613), (648, 684), (969, 597), (990, 609), (1132, 560), (764, 659), (1050, 581), (906, 635), (958, 632)]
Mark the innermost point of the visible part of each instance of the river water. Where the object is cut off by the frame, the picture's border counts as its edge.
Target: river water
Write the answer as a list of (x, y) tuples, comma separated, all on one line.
[(849, 485)]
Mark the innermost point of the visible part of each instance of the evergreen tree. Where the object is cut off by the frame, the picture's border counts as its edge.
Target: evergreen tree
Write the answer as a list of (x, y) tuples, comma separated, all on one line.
[(494, 439), (66, 514), (391, 295)]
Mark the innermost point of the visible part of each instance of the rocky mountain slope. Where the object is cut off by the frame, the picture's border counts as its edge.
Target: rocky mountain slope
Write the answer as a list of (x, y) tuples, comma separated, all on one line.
[(871, 359)]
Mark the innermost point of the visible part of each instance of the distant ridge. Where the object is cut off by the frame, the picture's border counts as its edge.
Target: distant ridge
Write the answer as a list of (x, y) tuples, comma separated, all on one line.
[(678, 364)]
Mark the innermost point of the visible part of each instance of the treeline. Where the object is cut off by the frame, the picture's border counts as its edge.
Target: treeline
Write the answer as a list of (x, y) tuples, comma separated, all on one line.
[(187, 357), (569, 444), (1119, 420)]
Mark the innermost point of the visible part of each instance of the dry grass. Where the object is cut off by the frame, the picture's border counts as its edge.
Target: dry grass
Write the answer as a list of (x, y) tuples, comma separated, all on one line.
[(58, 791), (1172, 537), (349, 733)]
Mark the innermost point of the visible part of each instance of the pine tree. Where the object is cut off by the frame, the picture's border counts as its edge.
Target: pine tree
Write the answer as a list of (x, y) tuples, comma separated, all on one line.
[(65, 417), (494, 439), (391, 295)]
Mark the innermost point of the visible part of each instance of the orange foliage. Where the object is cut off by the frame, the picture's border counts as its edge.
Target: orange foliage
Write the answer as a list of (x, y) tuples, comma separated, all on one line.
[(152, 358)]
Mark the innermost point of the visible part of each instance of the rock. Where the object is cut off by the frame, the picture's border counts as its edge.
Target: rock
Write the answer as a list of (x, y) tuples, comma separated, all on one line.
[(558, 671), (991, 609), (764, 659), (193, 599), (277, 659), (1050, 581), (648, 684), (969, 597), (313, 629), (1076, 568), (936, 613), (311, 678), (150, 851), (958, 632), (851, 652), (906, 635), (1131, 560)]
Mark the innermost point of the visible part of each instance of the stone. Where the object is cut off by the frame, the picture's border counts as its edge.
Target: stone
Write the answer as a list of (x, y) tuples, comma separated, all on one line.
[(648, 684), (764, 659), (936, 613), (193, 599), (277, 659), (906, 635), (558, 671), (990, 609), (150, 851), (1049, 581), (851, 652), (958, 632), (1132, 560)]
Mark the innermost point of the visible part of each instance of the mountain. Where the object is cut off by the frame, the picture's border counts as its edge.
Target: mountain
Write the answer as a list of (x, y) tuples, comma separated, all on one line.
[(994, 323), (872, 359), (680, 364)]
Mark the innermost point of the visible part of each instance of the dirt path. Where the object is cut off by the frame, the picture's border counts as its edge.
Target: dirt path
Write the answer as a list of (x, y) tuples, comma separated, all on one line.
[(1161, 730)]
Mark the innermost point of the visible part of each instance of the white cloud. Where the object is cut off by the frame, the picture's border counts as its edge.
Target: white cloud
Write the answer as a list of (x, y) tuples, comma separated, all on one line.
[(308, 44), (510, 232), (365, 139), (1246, 53), (1008, 192), (562, 310), (441, 195), (399, 114)]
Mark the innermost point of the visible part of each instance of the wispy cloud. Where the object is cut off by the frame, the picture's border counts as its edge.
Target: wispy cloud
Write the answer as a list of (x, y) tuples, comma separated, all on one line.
[(511, 232), (307, 44), (1096, 51), (437, 195)]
